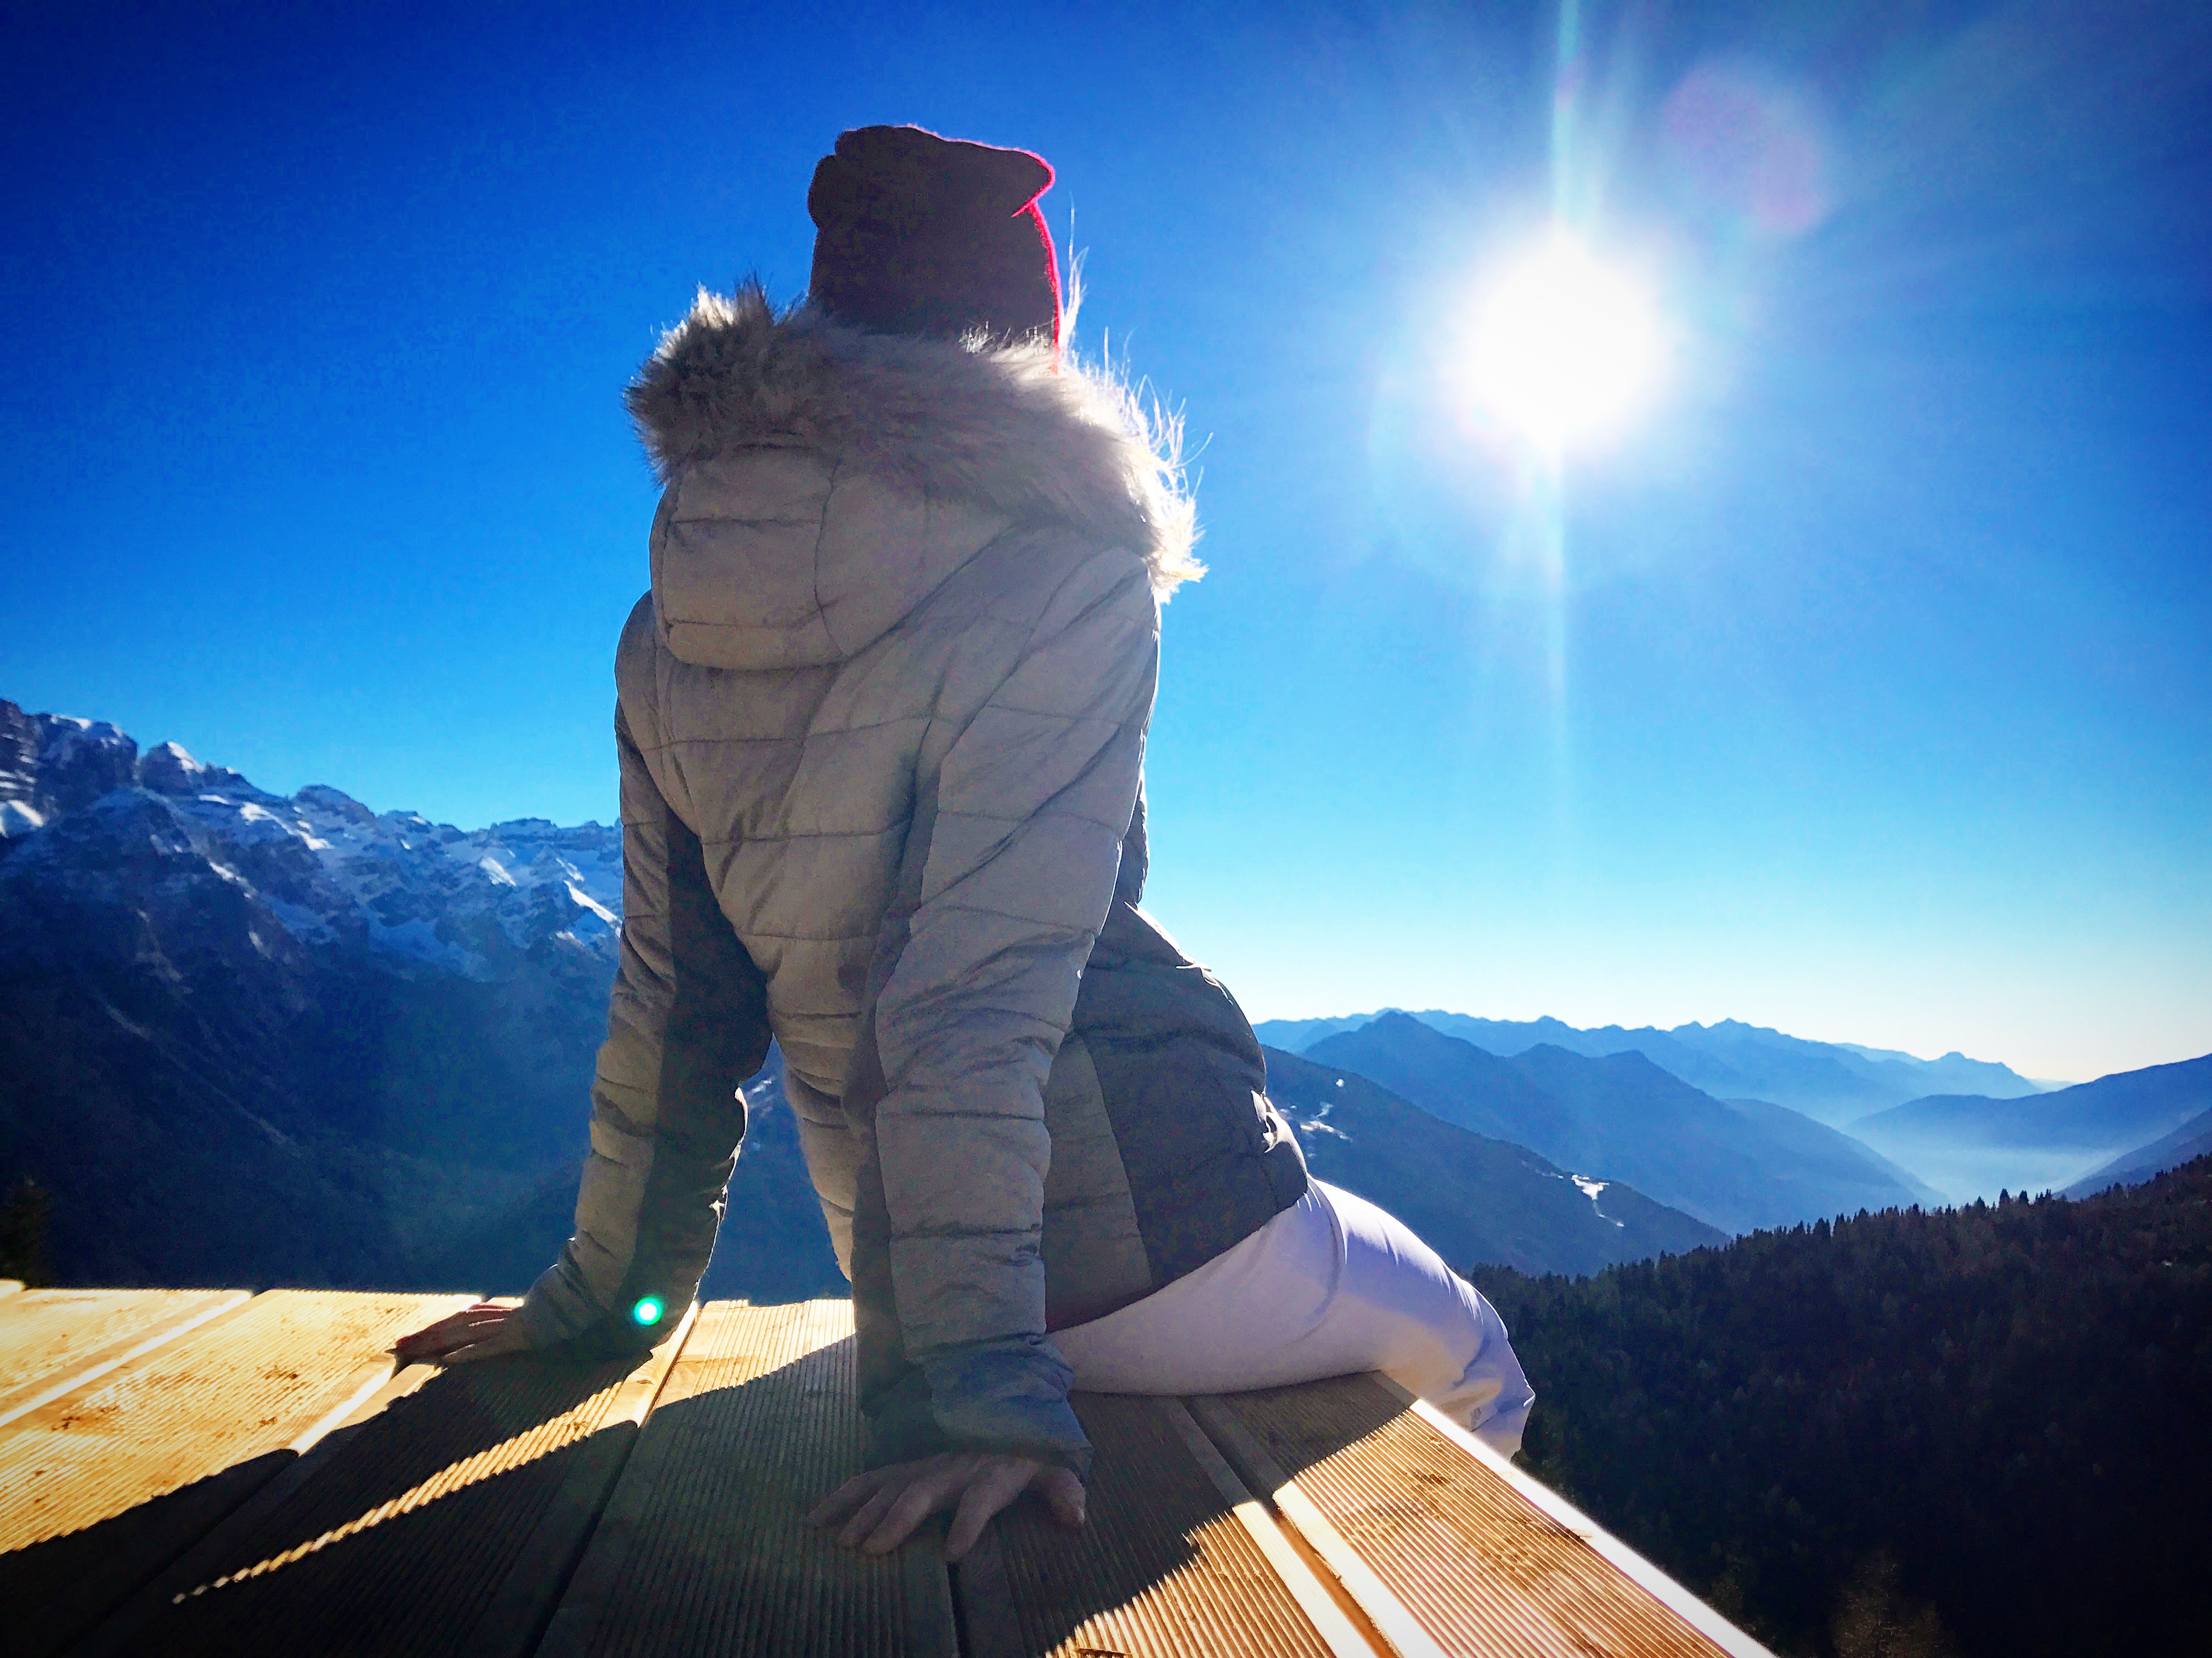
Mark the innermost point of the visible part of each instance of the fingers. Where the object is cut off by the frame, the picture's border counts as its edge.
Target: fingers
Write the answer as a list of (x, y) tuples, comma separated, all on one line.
[(1063, 1495), (870, 1514), (482, 1331), (999, 1482), (879, 1511), (437, 1340), (467, 1318), (847, 1497), (910, 1508), (500, 1344)]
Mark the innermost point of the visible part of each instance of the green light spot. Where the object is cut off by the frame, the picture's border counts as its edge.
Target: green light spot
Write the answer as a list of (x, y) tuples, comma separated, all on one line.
[(648, 1310)]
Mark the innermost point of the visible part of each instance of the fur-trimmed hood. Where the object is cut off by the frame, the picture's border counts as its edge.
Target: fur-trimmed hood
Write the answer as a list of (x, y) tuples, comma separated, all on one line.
[(1010, 430)]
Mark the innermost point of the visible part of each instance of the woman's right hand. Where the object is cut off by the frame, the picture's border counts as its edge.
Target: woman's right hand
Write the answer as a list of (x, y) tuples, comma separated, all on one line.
[(878, 1511), (480, 1332)]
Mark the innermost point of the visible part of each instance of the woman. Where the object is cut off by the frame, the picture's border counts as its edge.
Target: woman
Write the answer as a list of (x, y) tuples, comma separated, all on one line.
[(881, 721)]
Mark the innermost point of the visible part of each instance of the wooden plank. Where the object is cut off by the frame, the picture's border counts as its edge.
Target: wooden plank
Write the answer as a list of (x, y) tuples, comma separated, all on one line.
[(989, 1627), (931, 1626), (1345, 1639), (1432, 1526), (510, 1626), (125, 1631), (1690, 1608), (703, 1547), (443, 1519), (1396, 1628), (11, 1286), (1175, 1558), (54, 1340), (103, 1487)]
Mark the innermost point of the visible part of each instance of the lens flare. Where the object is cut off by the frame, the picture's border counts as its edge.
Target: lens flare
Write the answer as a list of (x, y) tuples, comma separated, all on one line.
[(648, 1310), (1565, 348)]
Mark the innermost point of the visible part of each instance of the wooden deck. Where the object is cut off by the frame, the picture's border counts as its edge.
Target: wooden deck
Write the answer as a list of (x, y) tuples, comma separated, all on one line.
[(209, 1472)]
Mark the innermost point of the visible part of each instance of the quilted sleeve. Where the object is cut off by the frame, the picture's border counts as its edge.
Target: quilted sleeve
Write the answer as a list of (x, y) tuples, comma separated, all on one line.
[(686, 1025)]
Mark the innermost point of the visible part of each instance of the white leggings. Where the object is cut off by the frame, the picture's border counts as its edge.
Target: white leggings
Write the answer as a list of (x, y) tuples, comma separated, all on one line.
[(1331, 1286)]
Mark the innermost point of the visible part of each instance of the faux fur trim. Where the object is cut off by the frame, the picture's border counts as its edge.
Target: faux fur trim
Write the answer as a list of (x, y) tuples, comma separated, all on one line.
[(1012, 426)]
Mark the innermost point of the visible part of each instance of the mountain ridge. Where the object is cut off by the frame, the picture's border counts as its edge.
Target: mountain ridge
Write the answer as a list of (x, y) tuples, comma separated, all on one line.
[(1831, 1081), (2192, 1141), (321, 1045), (1359, 1135), (1625, 1118)]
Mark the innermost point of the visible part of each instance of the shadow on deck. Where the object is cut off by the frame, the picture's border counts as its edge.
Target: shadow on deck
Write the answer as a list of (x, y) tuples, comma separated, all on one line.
[(255, 1479)]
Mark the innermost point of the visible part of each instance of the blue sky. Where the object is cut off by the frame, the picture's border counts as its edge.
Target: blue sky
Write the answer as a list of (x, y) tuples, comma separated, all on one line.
[(1868, 697)]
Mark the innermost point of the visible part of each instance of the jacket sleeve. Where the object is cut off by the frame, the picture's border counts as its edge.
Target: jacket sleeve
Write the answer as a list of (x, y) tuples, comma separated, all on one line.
[(1032, 800), (686, 1025)]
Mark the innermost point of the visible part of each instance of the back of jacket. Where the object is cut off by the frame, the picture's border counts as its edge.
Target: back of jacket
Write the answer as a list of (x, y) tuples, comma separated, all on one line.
[(881, 722)]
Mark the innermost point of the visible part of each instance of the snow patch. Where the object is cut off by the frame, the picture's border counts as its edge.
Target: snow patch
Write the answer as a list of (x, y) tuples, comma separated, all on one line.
[(585, 901), (1318, 1122), (1590, 1188)]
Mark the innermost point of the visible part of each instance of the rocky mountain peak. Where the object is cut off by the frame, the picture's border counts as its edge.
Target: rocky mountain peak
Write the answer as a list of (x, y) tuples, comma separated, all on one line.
[(323, 797), (80, 808), (52, 763), (169, 768)]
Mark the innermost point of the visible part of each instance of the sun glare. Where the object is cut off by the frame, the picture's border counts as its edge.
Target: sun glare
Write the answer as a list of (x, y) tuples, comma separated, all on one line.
[(1565, 348)]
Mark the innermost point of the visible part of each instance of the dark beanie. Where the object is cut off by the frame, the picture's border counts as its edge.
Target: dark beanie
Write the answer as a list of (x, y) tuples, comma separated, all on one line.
[(920, 234)]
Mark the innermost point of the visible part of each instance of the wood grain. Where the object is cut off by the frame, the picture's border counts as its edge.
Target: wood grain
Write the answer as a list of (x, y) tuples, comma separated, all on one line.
[(52, 1340)]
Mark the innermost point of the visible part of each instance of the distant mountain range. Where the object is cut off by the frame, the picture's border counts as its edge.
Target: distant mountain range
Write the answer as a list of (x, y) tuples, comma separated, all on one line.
[(1974, 1145), (1734, 1166), (249, 1038), (1471, 1197), (1832, 1082), (1945, 1145)]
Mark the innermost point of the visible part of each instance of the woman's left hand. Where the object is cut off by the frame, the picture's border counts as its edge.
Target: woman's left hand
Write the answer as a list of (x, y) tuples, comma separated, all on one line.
[(880, 1509), (484, 1331)]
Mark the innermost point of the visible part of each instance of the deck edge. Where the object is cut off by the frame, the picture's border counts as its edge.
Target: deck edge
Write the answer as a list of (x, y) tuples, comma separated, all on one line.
[(1689, 1607)]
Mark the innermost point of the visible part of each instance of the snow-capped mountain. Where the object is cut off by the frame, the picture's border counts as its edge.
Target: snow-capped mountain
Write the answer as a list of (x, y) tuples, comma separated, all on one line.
[(325, 868), (247, 1037)]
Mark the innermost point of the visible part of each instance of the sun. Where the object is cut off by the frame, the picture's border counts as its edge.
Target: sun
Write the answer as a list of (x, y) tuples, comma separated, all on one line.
[(1564, 349)]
